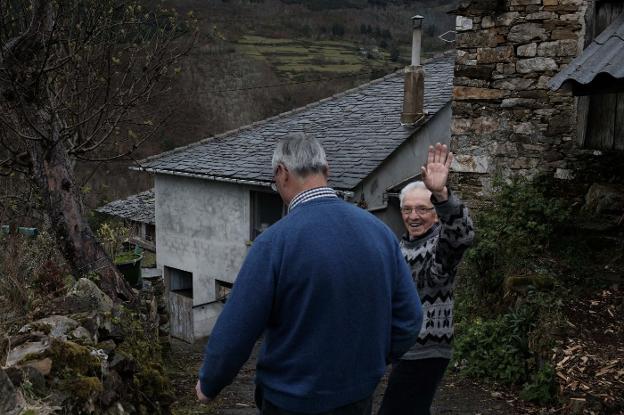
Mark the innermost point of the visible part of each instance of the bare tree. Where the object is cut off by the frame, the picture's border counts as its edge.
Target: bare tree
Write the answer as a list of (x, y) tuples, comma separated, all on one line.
[(74, 75)]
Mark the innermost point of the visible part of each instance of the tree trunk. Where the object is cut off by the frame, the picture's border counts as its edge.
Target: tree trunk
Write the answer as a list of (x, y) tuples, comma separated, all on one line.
[(84, 254)]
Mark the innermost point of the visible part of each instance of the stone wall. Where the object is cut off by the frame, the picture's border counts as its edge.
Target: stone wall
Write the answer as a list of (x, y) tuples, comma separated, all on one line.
[(505, 119)]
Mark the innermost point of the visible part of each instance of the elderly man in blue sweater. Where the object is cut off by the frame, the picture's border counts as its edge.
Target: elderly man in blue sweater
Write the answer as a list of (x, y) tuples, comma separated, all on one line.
[(330, 290)]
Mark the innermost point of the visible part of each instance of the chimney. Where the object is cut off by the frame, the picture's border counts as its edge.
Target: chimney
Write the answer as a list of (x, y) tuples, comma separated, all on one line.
[(414, 90)]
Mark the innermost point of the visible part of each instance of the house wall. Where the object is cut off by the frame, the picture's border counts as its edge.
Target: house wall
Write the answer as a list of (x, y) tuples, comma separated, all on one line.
[(203, 228), (401, 166), (505, 119)]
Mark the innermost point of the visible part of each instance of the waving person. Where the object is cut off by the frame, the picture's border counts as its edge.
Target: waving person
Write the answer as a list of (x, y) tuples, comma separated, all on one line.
[(438, 232)]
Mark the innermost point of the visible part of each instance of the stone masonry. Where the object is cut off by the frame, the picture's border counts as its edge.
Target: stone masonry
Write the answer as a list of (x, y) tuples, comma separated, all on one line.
[(505, 119)]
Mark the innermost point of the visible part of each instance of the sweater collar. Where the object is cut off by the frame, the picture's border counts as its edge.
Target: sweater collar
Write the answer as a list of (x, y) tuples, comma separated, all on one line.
[(311, 194), (430, 232)]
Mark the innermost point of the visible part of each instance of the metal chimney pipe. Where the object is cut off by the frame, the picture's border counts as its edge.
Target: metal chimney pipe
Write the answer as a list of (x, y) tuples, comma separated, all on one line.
[(414, 87), (416, 39)]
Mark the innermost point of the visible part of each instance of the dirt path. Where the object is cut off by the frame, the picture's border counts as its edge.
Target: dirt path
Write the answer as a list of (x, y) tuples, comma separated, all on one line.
[(456, 397)]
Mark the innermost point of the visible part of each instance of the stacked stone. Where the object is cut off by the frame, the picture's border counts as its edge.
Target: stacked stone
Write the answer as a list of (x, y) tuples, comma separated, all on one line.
[(97, 361), (156, 288), (505, 119)]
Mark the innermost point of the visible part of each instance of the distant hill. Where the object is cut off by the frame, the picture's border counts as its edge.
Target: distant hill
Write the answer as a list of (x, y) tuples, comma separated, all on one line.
[(258, 58)]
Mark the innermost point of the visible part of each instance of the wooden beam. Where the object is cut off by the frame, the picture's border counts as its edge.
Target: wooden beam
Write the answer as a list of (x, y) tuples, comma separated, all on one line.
[(601, 125), (619, 123)]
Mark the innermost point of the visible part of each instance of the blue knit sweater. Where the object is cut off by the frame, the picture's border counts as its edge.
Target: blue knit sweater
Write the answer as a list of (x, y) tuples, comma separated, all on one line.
[(330, 290)]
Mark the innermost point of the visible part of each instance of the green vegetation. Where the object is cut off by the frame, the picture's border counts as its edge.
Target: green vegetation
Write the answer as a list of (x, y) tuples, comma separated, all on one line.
[(509, 304), (292, 57), (150, 383), (126, 257)]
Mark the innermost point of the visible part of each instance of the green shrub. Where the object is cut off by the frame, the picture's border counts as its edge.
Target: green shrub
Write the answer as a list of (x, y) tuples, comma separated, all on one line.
[(508, 290), (510, 234), (542, 387), (495, 349)]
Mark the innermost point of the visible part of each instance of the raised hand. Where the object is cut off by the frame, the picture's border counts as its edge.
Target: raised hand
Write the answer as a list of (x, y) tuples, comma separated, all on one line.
[(435, 172)]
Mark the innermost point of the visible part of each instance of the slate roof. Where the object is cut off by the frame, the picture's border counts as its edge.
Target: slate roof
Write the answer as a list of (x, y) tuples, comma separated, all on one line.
[(138, 208), (358, 128), (604, 57)]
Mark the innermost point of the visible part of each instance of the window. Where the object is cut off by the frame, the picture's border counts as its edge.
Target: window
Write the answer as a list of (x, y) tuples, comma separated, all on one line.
[(180, 282), (222, 290), (266, 209), (150, 232)]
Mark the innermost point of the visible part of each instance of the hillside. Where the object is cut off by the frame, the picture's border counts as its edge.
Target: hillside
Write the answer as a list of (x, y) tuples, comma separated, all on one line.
[(257, 58)]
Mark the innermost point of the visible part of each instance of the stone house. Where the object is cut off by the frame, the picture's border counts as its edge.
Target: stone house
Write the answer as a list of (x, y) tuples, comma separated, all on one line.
[(137, 212), (506, 118), (212, 198)]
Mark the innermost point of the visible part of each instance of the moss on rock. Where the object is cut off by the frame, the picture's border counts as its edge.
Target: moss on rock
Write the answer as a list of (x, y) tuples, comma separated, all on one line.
[(82, 387), (71, 358)]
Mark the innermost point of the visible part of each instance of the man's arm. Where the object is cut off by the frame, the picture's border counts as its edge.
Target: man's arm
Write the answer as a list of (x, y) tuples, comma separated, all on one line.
[(406, 310), (241, 322), (456, 232), (456, 235)]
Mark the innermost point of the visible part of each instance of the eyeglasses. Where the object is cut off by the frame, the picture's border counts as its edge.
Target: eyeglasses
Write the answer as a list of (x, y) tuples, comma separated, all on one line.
[(406, 210)]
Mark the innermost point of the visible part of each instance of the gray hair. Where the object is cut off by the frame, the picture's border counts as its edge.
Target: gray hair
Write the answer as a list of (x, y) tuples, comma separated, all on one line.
[(300, 154), (409, 187)]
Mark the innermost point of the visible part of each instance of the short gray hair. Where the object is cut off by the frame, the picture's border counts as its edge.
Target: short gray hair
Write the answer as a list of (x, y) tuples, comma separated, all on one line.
[(300, 154), (409, 187)]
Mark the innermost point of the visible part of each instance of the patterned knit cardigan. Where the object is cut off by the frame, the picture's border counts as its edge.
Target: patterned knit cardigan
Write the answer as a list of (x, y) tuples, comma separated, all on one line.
[(434, 258)]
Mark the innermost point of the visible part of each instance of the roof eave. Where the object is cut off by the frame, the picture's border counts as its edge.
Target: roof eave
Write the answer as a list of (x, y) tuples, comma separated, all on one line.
[(214, 178)]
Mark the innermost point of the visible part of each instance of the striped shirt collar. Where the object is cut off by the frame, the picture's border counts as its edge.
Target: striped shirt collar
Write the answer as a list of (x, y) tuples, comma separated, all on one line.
[(311, 194)]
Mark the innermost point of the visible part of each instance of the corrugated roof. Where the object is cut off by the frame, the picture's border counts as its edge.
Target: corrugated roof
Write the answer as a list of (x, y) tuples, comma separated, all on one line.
[(603, 57), (358, 128), (138, 208)]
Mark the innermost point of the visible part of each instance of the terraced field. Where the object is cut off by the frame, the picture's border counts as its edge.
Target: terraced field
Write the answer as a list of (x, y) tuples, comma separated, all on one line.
[(297, 58)]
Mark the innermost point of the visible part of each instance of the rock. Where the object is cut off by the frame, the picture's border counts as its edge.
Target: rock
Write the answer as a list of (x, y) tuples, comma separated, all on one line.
[(487, 22), (526, 128), (15, 374), (463, 93), (564, 174), (514, 84), (506, 68), (527, 51), (536, 65), (463, 23), (474, 72), (116, 409), (559, 34), (27, 349), (85, 289), (559, 124), (10, 399), (494, 55), (470, 164), (605, 198), (36, 379), (479, 125), (518, 102), (53, 326), (566, 47), (478, 39), (43, 366), (526, 32), (107, 346), (541, 16), (113, 384), (82, 335), (505, 19)]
